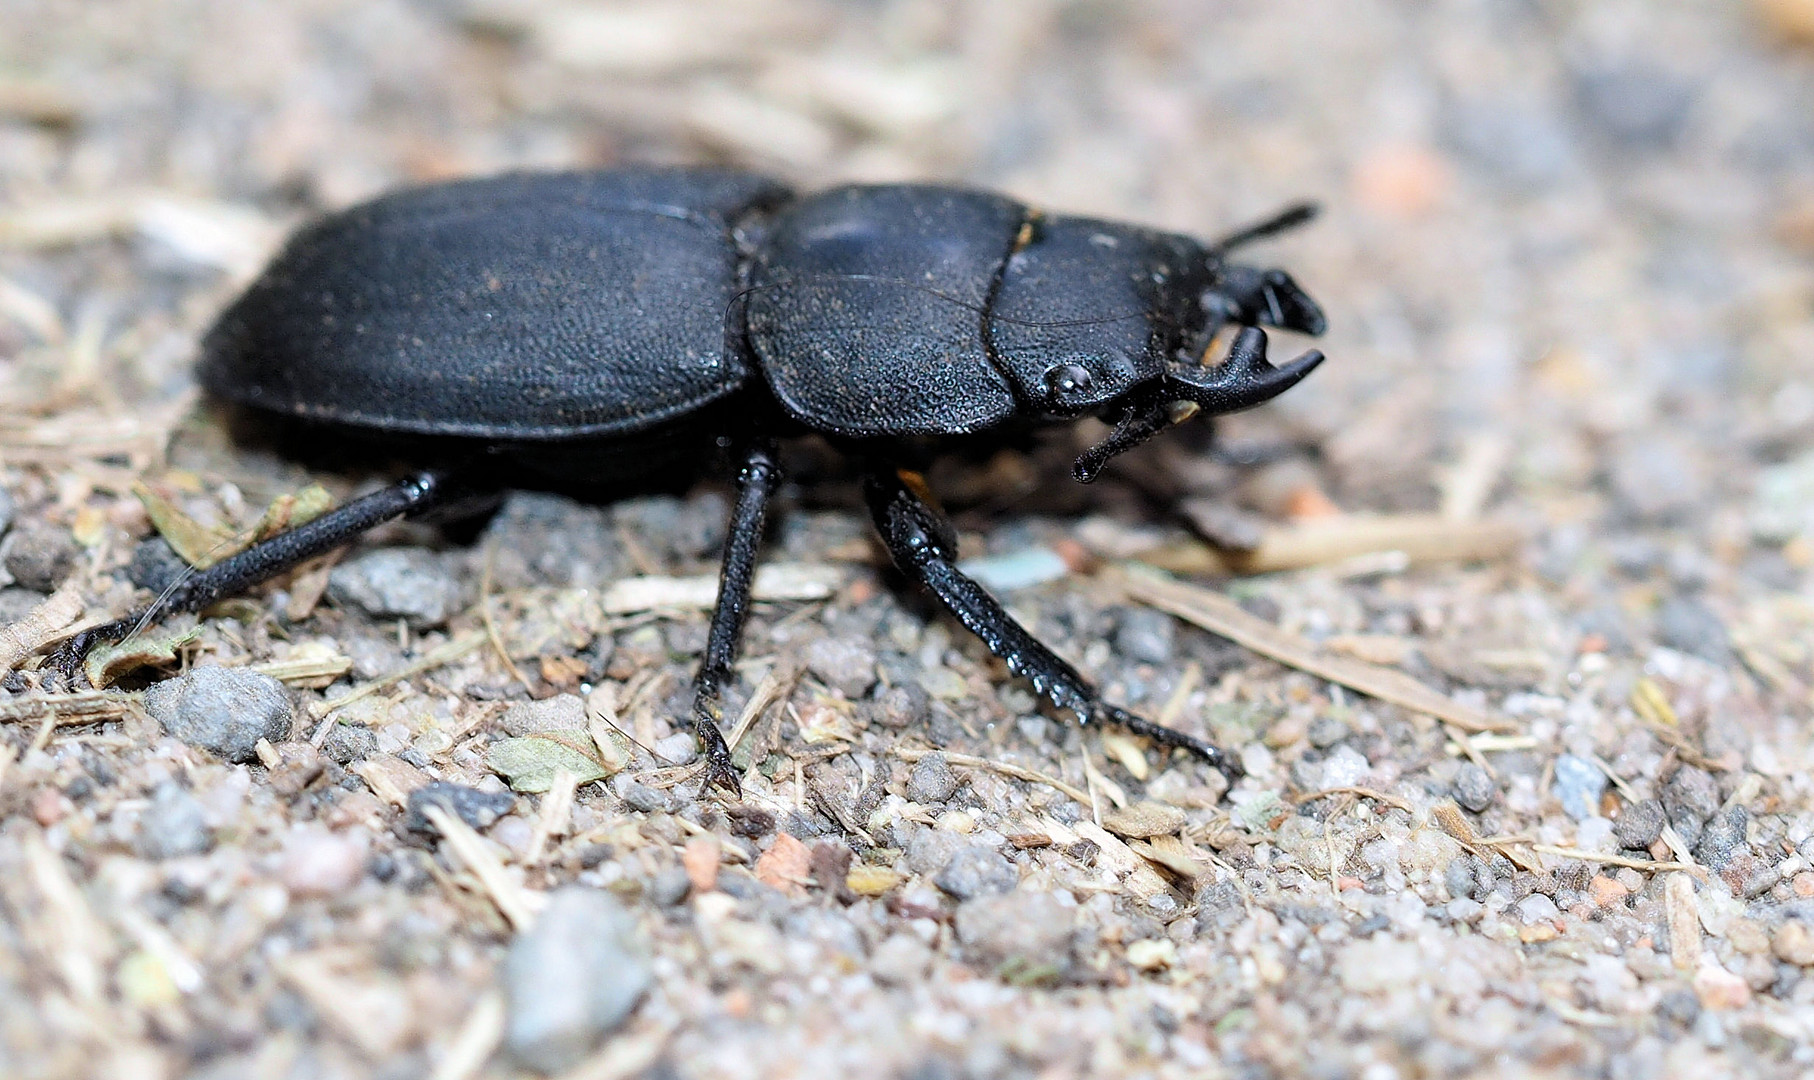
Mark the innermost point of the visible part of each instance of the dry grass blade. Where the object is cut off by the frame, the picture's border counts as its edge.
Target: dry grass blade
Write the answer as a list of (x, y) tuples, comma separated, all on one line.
[(85, 707), (1418, 537), (1613, 860), (1363, 792), (41, 625), (775, 686), (477, 1039), (513, 901), (911, 755), (1222, 616)]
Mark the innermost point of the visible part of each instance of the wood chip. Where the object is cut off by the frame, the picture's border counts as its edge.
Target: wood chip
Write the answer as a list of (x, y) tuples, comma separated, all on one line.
[(1220, 615), (40, 626), (83, 707), (1144, 820), (390, 778), (517, 904), (1327, 541), (773, 581), (1683, 920), (1169, 852)]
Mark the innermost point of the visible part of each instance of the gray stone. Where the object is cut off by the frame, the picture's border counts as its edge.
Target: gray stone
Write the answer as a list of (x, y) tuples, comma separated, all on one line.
[(1473, 788), (1679, 1005), (1146, 636), (476, 808), (562, 712), (155, 565), (39, 555), (347, 743), (1687, 624), (670, 886), (222, 710), (1023, 935), (571, 979), (677, 749), (932, 780), (1723, 839), (1516, 145), (1537, 908), (846, 664), (399, 583), (903, 705), (1658, 479), (16, 604), (1458, 876), (174, 824), (640, 796), (1690, 797), (1327, 730), (1579, 785), (6, 511), (928, 850), (1635, 105), (1641, 824), (550, 540), (975, 871)]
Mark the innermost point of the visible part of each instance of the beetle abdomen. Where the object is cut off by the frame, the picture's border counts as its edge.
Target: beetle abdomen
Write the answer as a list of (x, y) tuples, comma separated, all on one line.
[(521, 307)]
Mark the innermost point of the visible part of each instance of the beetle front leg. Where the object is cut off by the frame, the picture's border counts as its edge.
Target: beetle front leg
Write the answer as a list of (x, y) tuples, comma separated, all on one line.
[(924, 546), (756, 484)]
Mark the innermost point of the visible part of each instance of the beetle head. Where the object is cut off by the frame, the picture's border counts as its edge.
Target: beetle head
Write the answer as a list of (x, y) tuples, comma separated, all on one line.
[(1245, 296)]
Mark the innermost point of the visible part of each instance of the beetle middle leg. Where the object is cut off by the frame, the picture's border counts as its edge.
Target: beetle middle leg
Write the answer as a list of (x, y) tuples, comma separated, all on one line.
[(757, 480), (924, 546)]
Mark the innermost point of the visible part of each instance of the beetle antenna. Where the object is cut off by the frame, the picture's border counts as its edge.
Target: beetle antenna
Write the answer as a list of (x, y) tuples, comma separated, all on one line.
[(1289, 218)]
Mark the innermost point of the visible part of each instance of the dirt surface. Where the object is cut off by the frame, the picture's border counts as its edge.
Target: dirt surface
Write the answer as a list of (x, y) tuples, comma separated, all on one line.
[(1568, 259)]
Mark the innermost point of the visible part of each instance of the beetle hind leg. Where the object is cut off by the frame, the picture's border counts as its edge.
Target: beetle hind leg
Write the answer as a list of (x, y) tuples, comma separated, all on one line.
[(757, 480), (920, 540)]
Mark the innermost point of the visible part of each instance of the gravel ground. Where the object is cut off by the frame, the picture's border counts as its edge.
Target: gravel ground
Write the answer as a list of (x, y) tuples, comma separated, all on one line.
[(1568, 257)]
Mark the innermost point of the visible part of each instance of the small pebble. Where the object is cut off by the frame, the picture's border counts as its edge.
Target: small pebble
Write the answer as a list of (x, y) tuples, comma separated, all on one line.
[(1690, 797), (298, 764), (1636, 105), (174, 824), (1802, 884), (677, 749), (1537, 908), (1144, 820), (316, 862), (1640, 824), (669, 886), (1327, 730), (1793, 943), (1606, 892), (1473, 787), (1026, 931), (1344, 767), (479, 809), (6, 511), (571, 979), (39, 555), (562, 712), (399, 583), (155, 565), (900, 960), (1146, 636), (640, 796), (931, 780), (222, 710), (1679, 1005), (1578, 786), (975, 871), (846, 664), (347, 743), (1723, 839), (1687, 624), (1458, 876), (903, 705), (1719, 989)]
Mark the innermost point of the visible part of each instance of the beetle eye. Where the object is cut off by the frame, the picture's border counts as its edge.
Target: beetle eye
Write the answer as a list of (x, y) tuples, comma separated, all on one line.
[(1065, 381)]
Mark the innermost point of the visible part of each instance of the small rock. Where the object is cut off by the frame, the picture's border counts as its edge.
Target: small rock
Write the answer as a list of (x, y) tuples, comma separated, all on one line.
[(1327, 730), (900, 960), (677, 749), (1720, 989), (562, 712), (669, 886), (1689, 798), (1659, 479), (1473, 788), (1723, 839), (1537, 908), (6, 511), (1458, 876), (39, 555), (571, 979), (222, 710), (1518, 146), (640, 796), (1146, 636), (932, 780), (1023, 933), (155, 565), (1640, 824), (904, 705), (846, 664), (977, 871), (1579, 785), (1145, 820), (479, 809), (298, 764), (1637, 105), (1345, 767), (928, 850), (1747, 937), (1606, 892), (1679, 1005), (392, 583), (1688, 625), (347, 743), (1793, 943), (316, 862), (173, 825), (16, 604)]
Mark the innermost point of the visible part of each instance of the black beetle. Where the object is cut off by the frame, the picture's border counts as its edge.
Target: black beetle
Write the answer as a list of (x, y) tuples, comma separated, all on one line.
[(547, 323)]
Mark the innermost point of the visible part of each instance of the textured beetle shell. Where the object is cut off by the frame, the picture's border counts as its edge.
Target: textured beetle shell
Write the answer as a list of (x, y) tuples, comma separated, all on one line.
[(524, 306)]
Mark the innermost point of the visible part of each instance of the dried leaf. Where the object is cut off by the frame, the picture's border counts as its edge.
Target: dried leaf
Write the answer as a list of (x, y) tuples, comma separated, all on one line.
[(196, 544), (106, 663), (529, 763)]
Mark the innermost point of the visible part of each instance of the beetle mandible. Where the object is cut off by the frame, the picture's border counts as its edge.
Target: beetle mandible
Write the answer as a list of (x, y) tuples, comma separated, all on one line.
[(557, 322)]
